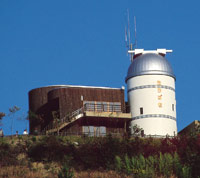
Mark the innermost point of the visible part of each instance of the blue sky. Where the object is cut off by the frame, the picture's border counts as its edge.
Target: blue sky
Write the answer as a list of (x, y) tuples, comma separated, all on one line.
[(80, 42)]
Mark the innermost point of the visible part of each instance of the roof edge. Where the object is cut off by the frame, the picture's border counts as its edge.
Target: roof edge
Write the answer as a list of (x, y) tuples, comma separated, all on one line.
[(78, 86)]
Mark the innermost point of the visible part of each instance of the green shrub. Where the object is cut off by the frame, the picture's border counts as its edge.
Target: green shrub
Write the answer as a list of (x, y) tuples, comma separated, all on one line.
[(8, 155), (185, 172), (118, 164), (66, 172), (168, 164), (49, 149), (164, 165), (20, 138), (34, 139), (127, 164)]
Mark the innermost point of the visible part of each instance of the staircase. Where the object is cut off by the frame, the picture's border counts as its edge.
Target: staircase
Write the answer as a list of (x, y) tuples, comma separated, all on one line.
[(56, 127)]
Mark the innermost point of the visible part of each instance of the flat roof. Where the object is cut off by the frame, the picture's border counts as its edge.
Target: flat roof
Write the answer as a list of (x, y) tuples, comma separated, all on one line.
[(78, 86)]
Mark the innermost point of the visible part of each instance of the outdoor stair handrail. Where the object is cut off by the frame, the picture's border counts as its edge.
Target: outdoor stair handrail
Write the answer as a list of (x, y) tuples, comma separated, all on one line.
[(87, 107), (67, 118)]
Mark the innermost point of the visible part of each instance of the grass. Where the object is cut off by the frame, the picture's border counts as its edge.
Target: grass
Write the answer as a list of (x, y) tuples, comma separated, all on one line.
[(24, 172), (44, 156), (40, 171), (27, 168)]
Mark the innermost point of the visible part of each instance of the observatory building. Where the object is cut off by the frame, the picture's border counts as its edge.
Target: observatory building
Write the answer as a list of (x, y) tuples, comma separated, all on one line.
[(151, 92), (98, 111)]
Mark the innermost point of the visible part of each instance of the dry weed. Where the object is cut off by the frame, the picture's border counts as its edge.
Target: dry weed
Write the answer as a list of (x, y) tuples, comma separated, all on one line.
[(99, 174), (24, 172)]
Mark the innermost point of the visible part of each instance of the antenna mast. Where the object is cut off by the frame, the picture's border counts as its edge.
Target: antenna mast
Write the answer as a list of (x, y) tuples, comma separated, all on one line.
[(129, 45), (135, 44), (129, 33)]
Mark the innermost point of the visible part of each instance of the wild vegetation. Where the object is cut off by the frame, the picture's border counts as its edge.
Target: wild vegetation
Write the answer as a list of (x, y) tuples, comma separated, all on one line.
[(50, 156), (2, 114)]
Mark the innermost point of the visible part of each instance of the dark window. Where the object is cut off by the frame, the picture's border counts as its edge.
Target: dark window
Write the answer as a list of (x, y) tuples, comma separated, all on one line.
[(142, 133), (94, 130), (141, 110), (172, 107)]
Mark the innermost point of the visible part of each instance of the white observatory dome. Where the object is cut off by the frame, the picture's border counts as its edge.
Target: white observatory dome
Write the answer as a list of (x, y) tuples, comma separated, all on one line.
[(151, 93), (149, 64)]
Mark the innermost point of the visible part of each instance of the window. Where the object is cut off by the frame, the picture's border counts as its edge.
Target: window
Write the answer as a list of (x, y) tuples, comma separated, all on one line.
[(94, 130), (100, 106), (172, 107), (102, 131), (88, 130), (141, 110), (142, 133), (117, 107), (105, 106)]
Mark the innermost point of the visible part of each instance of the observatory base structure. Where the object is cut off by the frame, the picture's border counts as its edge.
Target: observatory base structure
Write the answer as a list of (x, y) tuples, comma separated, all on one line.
[(77, 110)]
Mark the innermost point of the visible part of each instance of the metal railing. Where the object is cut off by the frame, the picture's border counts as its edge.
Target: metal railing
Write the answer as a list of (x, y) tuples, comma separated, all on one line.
[(92, 107), (103, 107), (56, 124)]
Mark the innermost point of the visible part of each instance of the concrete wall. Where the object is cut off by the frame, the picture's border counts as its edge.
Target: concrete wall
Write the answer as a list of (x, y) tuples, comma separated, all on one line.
[(155, 94)]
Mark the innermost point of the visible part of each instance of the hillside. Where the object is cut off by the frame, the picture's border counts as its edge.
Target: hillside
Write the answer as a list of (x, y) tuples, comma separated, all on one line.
[(50, 156)]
